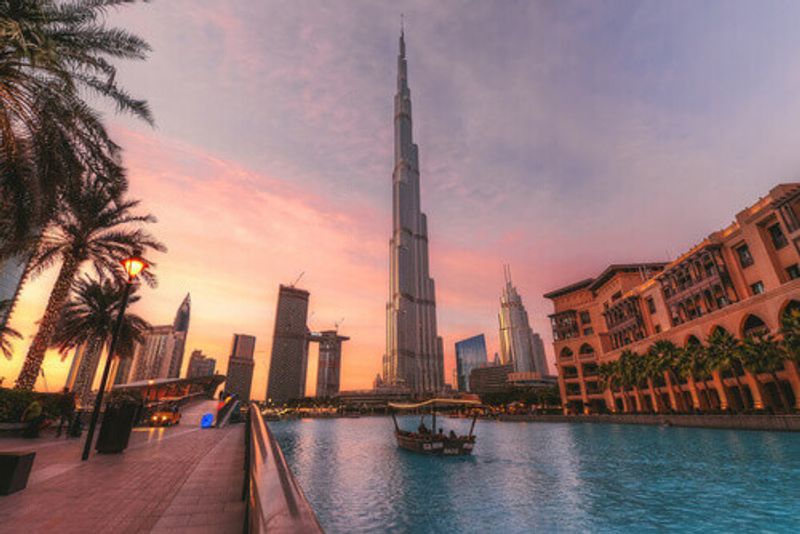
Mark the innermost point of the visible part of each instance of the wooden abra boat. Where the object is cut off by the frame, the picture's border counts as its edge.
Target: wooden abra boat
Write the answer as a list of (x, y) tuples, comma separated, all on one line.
[(427, 441)]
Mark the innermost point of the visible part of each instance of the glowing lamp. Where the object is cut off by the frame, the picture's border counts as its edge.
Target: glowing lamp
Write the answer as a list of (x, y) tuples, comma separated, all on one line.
[(133, 266)]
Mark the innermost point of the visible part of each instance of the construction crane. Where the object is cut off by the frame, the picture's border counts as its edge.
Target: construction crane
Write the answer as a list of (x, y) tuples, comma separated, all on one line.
[(297, 280)]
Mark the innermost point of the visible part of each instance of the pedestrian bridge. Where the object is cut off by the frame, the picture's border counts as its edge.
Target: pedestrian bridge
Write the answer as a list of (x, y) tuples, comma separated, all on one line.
[(179, 479)]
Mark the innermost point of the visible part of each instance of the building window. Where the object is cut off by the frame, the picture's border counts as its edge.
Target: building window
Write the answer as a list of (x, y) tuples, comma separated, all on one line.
[(776, 234), (658, 328), (745, 258), (585, 317), (757, 288), (793, 271), (651, 305), (616, 296), (588, 331)]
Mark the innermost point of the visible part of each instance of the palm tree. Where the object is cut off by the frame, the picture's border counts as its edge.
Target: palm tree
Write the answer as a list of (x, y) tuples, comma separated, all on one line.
[(723, 354), (629, 375), (93, 227), (665, 358), (51, 54), (88, 320), (694, 364), (790, 330), (762, 354), (609, 377), (7, 332)]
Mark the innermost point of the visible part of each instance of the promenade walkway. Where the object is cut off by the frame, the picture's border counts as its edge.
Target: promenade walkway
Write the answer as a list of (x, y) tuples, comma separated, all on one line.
[(181, 479)]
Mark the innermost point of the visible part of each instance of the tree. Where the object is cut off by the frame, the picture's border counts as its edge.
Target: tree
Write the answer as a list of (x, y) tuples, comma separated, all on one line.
[(664, 358), (723, 353), (790, 330), (88, 319), (92, 226), (629, 377), (51, 54), (762, 354), (695, 365), (7, 332)]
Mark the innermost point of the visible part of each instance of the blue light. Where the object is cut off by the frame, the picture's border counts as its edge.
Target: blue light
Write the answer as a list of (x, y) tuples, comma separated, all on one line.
[(207, 421)]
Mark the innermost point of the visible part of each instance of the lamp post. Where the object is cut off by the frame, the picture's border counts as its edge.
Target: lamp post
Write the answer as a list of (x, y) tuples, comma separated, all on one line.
[(133, 267)]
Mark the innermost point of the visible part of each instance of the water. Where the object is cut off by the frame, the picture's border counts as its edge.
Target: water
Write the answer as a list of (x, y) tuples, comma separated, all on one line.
[(546, 477)]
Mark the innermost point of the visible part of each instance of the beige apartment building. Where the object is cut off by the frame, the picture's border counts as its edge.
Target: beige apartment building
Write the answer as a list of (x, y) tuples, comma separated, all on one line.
[(742, 279)]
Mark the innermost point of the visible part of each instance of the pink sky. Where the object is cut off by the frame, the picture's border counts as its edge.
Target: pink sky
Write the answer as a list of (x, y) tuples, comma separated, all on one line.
[(557, 137)]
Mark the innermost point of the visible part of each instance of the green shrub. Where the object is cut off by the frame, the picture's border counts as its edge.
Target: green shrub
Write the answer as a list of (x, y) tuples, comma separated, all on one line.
[(14, 401)]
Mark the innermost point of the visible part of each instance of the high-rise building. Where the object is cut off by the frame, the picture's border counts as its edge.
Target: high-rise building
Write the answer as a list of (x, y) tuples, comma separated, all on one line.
[(329, 367), (12, 272), (240, 366), (470, 353), (201, 365), (539, 355), (160, 355), (154, 354), (516, 336), (123, 372), (289, 359), (414, 352), (180, 326)]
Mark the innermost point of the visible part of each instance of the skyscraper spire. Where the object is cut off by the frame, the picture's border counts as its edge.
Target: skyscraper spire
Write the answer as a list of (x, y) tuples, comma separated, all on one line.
[(414, 351)]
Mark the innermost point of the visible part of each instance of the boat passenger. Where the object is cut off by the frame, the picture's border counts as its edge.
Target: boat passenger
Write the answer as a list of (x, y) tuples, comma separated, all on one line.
[(453, 435)]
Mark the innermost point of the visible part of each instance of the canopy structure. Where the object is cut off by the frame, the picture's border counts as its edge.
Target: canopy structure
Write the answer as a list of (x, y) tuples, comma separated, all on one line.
[(434, 403)]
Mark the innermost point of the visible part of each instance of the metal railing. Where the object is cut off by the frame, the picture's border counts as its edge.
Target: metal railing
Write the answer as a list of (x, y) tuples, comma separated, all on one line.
[(275, 502)]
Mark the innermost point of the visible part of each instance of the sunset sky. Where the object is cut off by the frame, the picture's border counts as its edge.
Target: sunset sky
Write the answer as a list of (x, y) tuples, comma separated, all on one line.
[(557, 137)]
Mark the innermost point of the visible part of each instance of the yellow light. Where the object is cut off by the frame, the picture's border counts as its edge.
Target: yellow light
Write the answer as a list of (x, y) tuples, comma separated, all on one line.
[(133, 266)]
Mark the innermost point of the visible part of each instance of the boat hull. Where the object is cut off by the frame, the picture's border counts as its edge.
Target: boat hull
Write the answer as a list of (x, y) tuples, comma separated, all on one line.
[(434, 445)]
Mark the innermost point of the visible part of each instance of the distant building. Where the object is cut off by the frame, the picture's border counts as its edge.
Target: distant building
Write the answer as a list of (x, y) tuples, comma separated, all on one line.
[(160, 355), (330, 362), (240, 366), (180, 327), (289, 358), (82, 371), (153, 356), (516, 336), (470, 353), (539, 355), (490, 379), (200, 365), (122, 374), (12, 273)]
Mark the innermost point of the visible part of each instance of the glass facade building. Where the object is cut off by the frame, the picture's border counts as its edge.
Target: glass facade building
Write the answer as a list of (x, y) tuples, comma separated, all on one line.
[(470, 354)]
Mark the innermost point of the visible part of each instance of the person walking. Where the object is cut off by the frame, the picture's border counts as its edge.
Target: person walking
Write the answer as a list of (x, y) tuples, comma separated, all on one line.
[(66, 409)]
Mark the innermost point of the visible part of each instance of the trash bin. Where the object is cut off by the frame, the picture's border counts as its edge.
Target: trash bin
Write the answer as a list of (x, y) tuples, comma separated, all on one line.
[(116, 429), (15, 467)]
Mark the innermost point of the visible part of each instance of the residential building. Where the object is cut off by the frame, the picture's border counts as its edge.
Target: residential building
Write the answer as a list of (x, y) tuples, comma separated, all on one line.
[(470, 354), (740, 280), (154, 354), (289, 358), (329, 366), (517, 345), (240, 366), (201, 365), (414, 351)]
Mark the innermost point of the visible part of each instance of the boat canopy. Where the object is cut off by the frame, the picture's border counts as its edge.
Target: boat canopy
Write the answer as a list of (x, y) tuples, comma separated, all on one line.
[(435, 403)]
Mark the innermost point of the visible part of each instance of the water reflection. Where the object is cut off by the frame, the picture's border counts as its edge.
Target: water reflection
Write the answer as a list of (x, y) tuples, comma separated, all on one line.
[(546, 477)]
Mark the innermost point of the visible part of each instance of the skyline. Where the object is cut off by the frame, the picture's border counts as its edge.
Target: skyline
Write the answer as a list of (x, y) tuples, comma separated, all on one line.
[(204, 179)]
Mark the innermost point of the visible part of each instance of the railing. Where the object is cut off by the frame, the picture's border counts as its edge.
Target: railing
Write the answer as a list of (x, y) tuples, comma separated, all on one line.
[(224, 415), (275, 502)]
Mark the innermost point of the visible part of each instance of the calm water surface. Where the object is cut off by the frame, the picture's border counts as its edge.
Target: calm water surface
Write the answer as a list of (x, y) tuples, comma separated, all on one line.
[(544, 477)]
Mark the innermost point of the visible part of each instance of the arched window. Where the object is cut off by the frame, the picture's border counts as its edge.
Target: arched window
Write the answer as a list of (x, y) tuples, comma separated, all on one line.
[(586, 349), (566, 353), (754, 326), (692, 340), (719, 329)]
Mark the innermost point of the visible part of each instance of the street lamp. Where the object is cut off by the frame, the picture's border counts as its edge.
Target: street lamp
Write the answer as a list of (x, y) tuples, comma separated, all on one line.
[(133, 267)]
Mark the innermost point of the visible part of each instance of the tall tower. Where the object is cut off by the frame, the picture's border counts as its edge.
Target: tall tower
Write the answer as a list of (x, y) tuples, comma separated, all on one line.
[(329, 367), (414, 352), (516, 336), (240, 366)]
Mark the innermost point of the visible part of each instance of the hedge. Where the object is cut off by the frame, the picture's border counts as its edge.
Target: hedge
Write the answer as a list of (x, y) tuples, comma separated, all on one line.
[(14, 401)]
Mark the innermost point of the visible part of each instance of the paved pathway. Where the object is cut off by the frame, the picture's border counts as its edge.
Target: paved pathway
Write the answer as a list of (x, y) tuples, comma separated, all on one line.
[(130, 492)]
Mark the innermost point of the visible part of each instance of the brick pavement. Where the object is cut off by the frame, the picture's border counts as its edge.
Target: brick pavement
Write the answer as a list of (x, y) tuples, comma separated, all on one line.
[(129, 492)]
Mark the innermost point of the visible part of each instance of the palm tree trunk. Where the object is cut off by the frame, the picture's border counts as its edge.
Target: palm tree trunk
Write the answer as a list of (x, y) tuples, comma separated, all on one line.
[(707, 394), (740, 385), (33, 361), (781, 393), (676, 388)]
